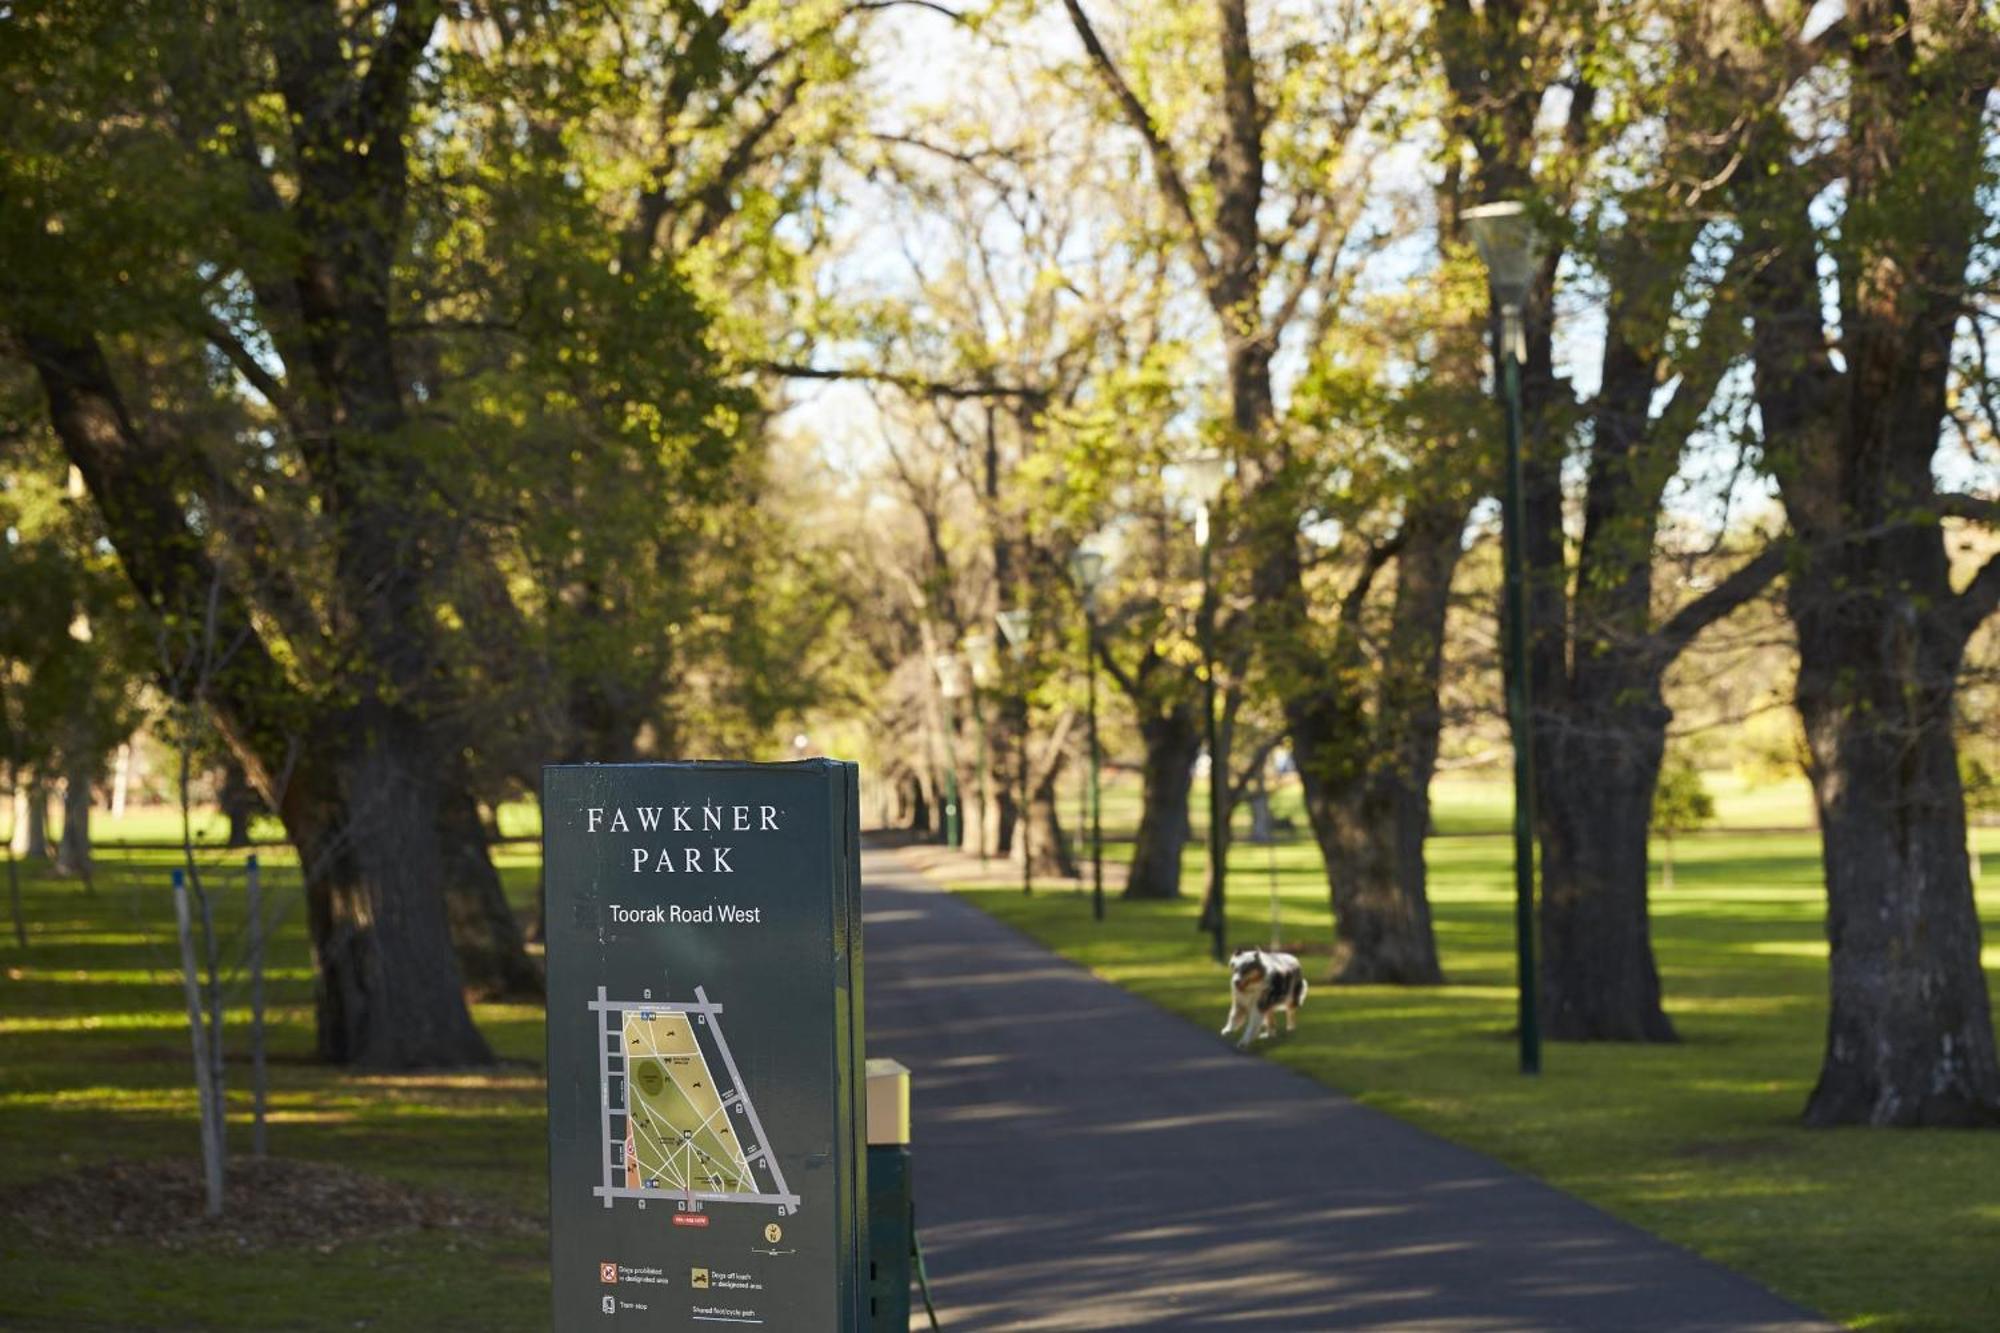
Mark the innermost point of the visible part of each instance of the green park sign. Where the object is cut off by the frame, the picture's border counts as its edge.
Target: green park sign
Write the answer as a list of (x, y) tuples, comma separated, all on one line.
[(706, 1106)]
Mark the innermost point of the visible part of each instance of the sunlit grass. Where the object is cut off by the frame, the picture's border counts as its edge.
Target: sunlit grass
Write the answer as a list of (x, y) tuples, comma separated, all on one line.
[(1699, 1142), (94, 1062)]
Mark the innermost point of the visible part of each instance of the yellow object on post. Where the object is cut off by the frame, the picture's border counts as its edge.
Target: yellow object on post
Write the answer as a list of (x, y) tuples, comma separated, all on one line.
[(888, 1102)]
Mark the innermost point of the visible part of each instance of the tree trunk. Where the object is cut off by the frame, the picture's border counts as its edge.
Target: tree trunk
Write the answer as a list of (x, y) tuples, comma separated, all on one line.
[(1381, 912), (1853, 441), (1366, 775), (356, 788), (364, 809), (73, 851), (484, 931), (1173, 742), (1263, 825), (1910, 1032), (1047, 842), (239, 803), (31, 821), (1595, 782)]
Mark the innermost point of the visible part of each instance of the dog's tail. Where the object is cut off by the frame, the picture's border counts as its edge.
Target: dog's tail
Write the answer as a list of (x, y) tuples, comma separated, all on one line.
[(1299, 990)]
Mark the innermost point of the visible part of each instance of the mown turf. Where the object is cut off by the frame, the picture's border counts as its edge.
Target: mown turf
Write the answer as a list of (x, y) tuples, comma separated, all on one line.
[(1698, 1142), (94, 1063)]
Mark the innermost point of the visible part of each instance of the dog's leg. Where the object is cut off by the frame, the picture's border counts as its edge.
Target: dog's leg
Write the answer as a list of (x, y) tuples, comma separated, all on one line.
[(1235, 1007), (1291, 1018)]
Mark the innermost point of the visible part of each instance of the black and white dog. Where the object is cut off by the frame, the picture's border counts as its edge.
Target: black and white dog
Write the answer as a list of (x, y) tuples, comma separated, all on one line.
[(1260, 984)]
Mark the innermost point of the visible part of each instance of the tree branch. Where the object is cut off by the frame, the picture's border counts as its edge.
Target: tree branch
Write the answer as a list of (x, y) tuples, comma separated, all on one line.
[(1166, 167), (1378, 555), (1749, 580), (713, 199), (917, 384), (1979, 600), (269, 386), (1977, 508)]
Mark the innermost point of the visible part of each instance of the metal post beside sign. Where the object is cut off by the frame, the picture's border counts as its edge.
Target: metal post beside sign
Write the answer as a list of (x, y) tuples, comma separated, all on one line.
[(707, 1110), (891, 1216)]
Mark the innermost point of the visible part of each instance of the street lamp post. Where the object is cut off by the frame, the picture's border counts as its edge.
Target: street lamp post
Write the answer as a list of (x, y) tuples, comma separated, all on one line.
[(1087, 567), (979, 653), (1505, 237), (1015, 626), (1203, 479), (951, 685)]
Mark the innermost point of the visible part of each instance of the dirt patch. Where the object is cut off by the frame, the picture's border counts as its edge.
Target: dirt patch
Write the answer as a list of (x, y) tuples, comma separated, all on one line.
[(273, 1202)]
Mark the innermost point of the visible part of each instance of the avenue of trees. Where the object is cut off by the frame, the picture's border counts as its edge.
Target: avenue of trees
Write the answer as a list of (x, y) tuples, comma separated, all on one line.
[(422, 391)]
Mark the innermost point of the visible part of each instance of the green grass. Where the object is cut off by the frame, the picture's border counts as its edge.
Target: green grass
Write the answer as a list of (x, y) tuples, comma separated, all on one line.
[(1698, 1142), (94, 1063)]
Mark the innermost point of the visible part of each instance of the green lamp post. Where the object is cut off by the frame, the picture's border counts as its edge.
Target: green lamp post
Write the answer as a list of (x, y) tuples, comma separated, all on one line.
[(1505, 237), (1087, 567), (1016, 626)]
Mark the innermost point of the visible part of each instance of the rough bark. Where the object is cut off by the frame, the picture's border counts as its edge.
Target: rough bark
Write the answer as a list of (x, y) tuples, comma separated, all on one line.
[(1594, 789), (1047, 841), (239, 803), (1172, 744), (1881, 631), (363, 809), (31, 821), (1910, 1034), (485, 933), (1366, 764), (73, 850)]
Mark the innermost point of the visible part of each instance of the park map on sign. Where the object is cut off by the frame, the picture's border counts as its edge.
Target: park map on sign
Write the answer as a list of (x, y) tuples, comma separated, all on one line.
[(677, 1131), (678, 1121)]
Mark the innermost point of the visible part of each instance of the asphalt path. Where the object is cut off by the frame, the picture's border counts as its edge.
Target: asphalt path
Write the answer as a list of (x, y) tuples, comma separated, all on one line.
[(1084, 1160)]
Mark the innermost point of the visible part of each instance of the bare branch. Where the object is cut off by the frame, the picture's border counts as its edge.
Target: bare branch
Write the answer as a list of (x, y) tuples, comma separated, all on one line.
[(1748, 581), (917, 384), (1166, 166)]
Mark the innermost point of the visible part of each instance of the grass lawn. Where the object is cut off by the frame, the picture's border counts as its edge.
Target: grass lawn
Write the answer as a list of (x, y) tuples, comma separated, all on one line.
[(1698, 1142), (94, 1065)]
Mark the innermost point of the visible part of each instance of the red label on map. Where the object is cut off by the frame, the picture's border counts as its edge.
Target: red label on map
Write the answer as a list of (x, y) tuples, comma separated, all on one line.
[(690, 1219)]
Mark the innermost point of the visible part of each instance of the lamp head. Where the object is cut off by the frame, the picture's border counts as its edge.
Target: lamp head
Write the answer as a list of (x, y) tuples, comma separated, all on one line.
[(979, 653), (950, 674), (1505, 237), (1014, 627), (1086, 566), (1202, 478)]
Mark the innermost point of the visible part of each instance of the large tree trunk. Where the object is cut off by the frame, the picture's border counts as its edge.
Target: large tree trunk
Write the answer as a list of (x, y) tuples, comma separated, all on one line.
[(485, 933), (31, 821), (1173, 742), (1367, 773), (1381, 913), (1881, 632), (1909, 1032), (357, 789), (364, 808), (1595, 782), (73, 851)]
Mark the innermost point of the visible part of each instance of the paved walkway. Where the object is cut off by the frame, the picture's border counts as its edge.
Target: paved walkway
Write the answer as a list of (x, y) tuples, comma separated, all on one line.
[(1084, 1161)]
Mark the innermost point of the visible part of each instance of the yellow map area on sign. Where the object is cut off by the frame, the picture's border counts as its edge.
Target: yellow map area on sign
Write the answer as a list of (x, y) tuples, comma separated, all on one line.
[(678, 1135)]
